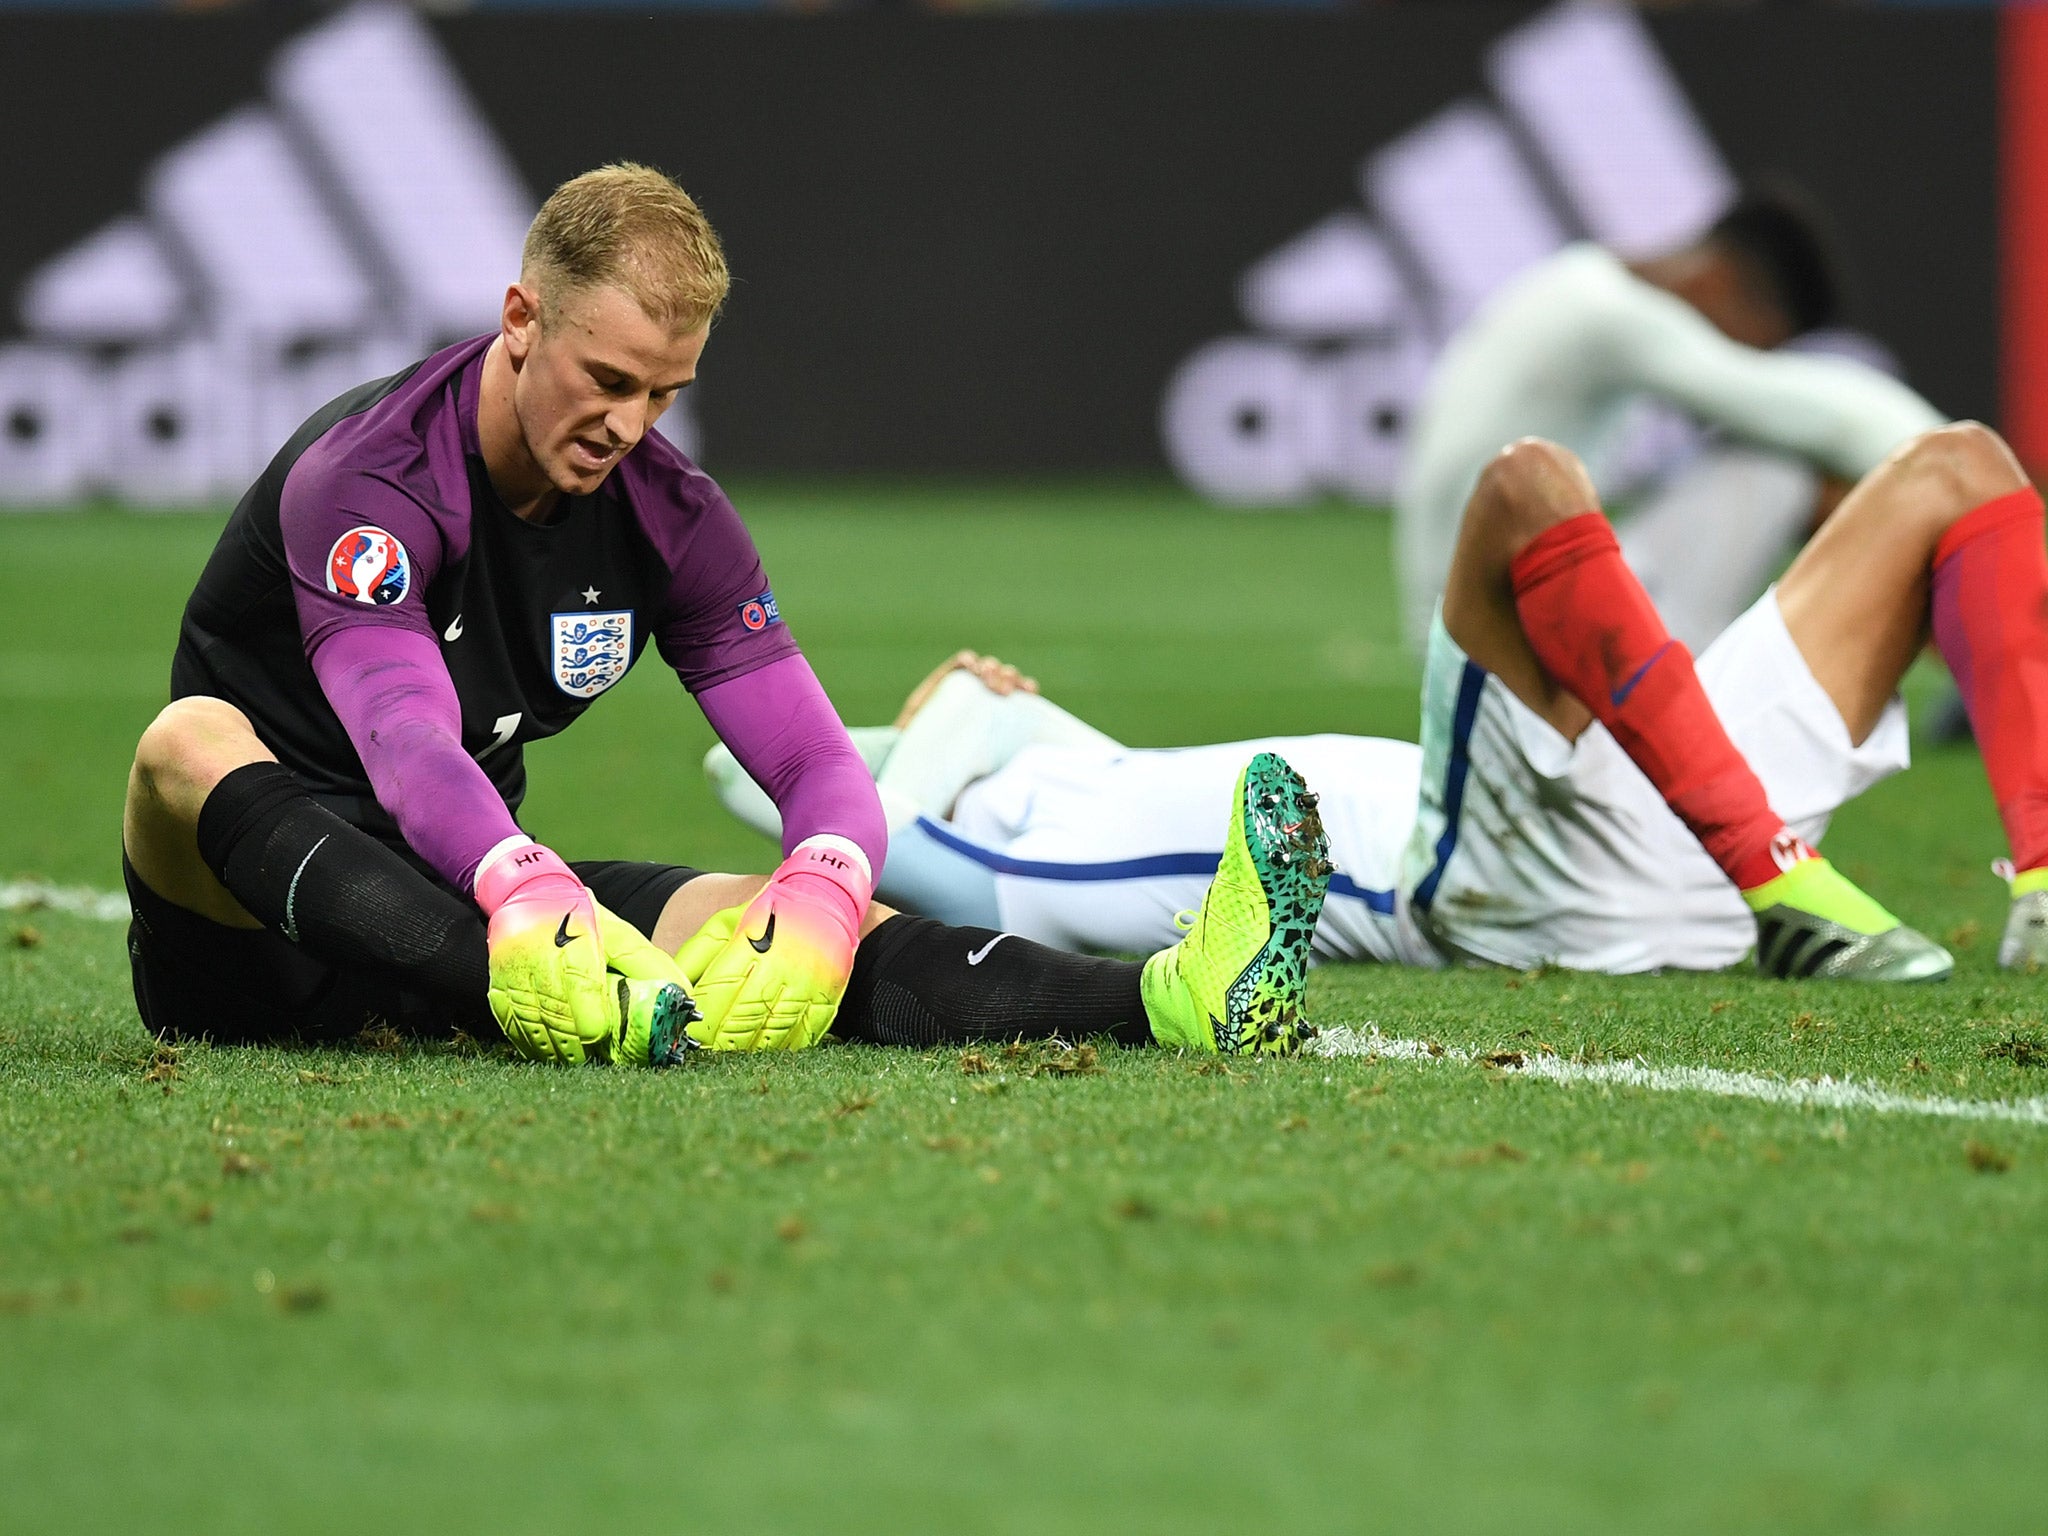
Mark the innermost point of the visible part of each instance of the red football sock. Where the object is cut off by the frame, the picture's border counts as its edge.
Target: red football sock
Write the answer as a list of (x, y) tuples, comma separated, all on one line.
[(1991, 626), (1595, 631)]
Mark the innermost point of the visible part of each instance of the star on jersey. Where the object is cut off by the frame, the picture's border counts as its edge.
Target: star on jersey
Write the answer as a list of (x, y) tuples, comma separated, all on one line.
[(591, 595)]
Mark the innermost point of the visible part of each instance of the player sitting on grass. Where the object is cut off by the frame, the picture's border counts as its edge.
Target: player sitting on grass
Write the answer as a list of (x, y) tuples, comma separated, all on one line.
[(1566, 348), (1583, 797), (442, 566)]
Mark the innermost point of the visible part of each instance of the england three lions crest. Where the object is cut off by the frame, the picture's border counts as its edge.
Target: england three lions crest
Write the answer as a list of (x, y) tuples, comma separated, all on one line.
[(592, 651)]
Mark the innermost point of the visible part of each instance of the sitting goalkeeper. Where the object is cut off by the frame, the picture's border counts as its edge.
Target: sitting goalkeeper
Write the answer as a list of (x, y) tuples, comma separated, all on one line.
[(442, 566)]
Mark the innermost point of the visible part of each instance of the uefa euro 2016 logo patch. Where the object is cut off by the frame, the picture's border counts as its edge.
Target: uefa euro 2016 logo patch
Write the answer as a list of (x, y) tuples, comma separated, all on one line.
[(592, 651), (370, 566), (760, 612)]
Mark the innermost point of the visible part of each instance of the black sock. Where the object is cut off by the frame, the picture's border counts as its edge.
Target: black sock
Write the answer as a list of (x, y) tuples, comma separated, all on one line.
[(918, 982), (339, 893)]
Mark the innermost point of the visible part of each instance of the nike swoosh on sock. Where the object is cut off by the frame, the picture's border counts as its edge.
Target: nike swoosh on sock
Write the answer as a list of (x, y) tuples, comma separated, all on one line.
[(975, 957), (291, 924), (1620, 695)]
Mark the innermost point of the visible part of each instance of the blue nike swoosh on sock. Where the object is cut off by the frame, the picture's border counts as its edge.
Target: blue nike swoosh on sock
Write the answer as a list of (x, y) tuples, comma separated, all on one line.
[(1620, 695)]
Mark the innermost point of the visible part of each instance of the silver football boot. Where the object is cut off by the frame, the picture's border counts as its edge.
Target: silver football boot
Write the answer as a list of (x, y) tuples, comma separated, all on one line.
[(1795, 945), (2025, 945)]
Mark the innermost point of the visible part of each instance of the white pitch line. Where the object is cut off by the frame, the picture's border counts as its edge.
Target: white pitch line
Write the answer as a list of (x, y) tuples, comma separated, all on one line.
[(1816, 1093), (1340, 1040), (81, 901)]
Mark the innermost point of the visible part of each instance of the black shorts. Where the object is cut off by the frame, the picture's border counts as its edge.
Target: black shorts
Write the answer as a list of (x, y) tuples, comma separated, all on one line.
[(197, 980)]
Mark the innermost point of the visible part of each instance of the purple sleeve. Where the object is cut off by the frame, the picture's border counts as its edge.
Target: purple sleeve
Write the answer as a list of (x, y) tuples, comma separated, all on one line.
[(785, 733), (361, 552), (718, 619), (397, 702)]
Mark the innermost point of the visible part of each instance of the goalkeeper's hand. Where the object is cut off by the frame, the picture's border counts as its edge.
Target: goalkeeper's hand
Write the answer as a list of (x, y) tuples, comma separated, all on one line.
[(768, 976), (551, 947)]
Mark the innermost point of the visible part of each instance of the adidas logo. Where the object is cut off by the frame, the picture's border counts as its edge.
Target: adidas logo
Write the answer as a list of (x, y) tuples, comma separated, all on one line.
[(358, 217), (1791, 951), (1789, 849), (1586, 133)]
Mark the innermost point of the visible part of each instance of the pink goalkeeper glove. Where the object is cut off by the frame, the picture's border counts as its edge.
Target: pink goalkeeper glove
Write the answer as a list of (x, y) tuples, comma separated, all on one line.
[(768, 976), (548, 989), (551, 949)]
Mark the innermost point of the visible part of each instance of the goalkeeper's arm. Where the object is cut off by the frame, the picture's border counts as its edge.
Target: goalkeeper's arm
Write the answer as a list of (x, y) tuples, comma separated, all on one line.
[(783, 730), (549, 940), (391, 690), (770, 974), (785, 733)]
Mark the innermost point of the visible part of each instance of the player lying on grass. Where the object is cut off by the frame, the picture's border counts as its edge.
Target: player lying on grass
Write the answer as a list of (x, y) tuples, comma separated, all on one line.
[(442, 566), (1583, 796), (1570, 345)]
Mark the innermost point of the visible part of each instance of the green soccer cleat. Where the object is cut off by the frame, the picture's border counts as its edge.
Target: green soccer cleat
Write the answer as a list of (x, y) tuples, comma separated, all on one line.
[(1812, 922), (652, 1018), (1236, 984)]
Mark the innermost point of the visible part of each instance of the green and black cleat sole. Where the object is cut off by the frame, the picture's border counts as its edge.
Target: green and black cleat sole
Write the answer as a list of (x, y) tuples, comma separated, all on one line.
[(1284, 833), (667, 1011)]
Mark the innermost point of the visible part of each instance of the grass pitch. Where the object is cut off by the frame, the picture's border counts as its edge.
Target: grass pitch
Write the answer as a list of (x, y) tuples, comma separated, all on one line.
[(1006, 1292)]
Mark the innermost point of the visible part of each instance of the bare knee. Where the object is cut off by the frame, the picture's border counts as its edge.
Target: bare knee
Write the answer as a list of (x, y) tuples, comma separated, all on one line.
[(188, 748), (1526, 489), (1952, 469), (1529, 486), (696, 901)]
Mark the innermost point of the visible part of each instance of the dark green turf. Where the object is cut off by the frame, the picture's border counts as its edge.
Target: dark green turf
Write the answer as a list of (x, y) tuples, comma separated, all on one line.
[(861, 1290)]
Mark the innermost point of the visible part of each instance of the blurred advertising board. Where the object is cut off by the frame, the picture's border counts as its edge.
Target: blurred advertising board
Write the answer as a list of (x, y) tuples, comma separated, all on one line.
[(1225, 242)]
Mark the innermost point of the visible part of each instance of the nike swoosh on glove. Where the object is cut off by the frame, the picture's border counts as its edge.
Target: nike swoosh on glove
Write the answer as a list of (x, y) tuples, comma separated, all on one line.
[(551, 947), (768, 976)]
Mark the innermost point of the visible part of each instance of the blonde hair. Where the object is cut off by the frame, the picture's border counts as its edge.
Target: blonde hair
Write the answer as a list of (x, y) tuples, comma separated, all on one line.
[(630, 227)]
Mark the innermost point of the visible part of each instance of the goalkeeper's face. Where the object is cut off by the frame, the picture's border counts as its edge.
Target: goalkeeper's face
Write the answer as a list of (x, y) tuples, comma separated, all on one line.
[(593, 376)]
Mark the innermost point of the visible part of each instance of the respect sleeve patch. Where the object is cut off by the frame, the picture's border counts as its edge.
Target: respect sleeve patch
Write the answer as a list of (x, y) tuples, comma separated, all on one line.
[(760, 612)]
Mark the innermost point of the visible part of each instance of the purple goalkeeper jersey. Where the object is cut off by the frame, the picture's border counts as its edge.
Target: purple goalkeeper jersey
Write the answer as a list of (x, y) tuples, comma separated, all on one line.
[(379, 513)]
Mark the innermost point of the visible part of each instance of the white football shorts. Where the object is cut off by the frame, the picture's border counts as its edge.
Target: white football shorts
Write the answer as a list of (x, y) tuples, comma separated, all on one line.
[(1098, 847), (1531, 850)]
